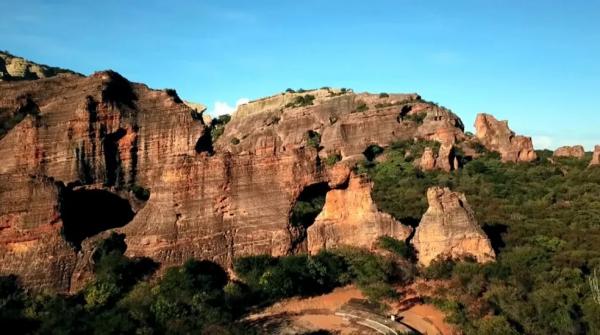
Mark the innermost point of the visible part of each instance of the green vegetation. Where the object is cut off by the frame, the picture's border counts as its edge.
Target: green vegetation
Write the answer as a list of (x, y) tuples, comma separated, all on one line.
[(235, 141), (193, 298), (301, 101), (333, 158), (217, 126), (270, 279), (542, 219), (384, 95), (393, 245), (418, 118), (361, 107), (140, 192), (313, 139)]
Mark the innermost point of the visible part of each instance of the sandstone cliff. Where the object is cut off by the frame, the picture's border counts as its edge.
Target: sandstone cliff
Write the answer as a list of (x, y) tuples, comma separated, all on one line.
[(350, 217), (17, 68), (575, 151), (596, 156), (74, 146), (449, 229), (496, 136)]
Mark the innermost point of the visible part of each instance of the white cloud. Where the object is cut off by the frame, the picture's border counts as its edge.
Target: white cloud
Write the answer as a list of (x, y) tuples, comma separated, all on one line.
[(222, 107)]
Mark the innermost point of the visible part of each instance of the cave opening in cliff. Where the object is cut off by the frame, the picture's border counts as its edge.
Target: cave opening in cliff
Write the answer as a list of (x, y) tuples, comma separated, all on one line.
[(86, 213), (308, 205)]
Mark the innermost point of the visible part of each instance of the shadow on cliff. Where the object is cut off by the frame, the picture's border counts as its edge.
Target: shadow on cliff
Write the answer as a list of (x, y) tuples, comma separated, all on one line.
[(86, 213), (308, 205), (495, 232)]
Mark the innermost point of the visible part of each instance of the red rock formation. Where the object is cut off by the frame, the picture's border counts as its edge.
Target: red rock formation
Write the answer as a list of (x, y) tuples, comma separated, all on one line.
[(444, 160), (428, 160), (596, 156), (576, 151), (496, 136), (448, 229), (207, 200), (350, 217)]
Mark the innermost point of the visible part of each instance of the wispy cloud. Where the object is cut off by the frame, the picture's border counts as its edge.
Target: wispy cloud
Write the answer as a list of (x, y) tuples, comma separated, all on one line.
[(221, 107)]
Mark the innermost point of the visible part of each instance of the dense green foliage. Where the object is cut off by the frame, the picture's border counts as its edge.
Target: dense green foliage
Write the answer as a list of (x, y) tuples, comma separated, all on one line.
[(543, 219), (189, 299), (270, 279), (217, 126)]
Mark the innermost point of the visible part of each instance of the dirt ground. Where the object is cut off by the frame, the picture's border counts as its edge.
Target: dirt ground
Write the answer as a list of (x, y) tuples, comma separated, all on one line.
[(298, 315)]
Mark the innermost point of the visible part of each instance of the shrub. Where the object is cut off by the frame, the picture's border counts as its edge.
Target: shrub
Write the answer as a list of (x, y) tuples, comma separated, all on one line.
[(418, 118), (393, 245), (383, 95), (235, 141), (289, 90), (313, 139), (362, 107), (140, 192), (333, 158)]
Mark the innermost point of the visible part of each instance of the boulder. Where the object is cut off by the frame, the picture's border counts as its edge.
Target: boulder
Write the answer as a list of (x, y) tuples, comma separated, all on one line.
[(449, 229), (496, 136)]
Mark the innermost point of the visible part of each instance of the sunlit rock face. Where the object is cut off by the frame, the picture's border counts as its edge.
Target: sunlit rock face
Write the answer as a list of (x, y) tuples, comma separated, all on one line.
[(448, 229), (496, 136), (575, 151), (106, 138), (350, 217)]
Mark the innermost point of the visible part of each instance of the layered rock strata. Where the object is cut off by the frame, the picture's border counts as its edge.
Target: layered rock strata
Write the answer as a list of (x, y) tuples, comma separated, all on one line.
[(102, 138), (449, 229)]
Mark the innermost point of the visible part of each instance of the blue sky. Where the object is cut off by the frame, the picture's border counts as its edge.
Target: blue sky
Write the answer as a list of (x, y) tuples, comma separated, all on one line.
[(535, 63)]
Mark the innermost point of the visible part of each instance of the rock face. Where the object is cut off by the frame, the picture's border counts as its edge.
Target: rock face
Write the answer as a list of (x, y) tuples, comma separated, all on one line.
[(74, 146), (596, 156), (350, 217), (496, 136), (449, 229), (444, 160), (17, 68), (576, 151)]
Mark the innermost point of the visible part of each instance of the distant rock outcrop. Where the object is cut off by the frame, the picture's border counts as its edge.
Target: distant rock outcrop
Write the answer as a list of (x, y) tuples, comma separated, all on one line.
[(449, 229), (496, 136), (596, 156), (350, 217), (17, 68), (575, 151)]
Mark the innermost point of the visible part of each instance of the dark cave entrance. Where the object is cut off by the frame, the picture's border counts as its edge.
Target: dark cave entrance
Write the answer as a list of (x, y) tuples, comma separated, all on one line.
[(86, 213), (308, 205)]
